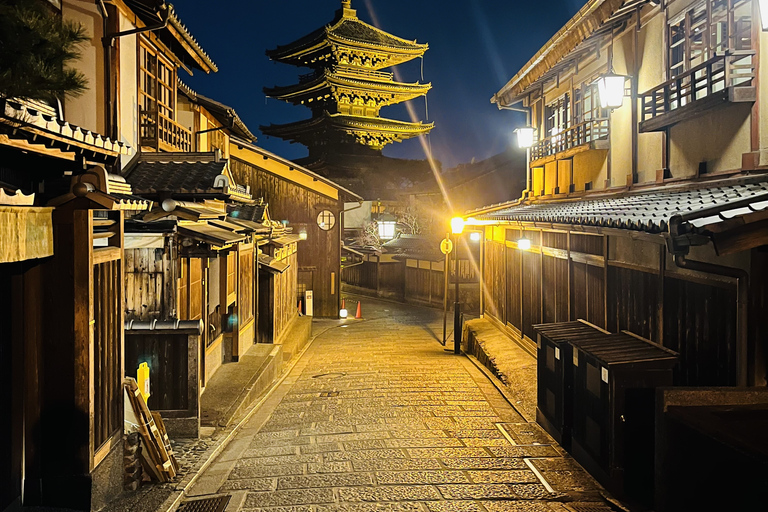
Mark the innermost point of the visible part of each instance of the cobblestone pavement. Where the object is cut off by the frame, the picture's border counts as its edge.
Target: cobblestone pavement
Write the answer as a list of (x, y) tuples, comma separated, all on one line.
[(377, 416)]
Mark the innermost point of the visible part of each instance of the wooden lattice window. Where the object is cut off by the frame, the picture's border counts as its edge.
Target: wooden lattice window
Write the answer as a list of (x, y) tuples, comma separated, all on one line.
[(586, 104), (157, 82), (558, 115), (705, 28)]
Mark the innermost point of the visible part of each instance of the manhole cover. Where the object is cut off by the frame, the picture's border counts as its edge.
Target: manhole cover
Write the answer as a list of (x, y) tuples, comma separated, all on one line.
[(335, 375), (217, 504), (329, 394)]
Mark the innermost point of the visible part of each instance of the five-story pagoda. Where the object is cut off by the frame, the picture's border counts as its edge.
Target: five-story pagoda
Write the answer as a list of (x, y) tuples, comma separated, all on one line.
[(345, 91)]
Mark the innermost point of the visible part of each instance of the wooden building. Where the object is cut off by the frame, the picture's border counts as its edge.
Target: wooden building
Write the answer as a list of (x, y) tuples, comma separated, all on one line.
[(647, 215), (312, 205), (345, 92), (60, 295)]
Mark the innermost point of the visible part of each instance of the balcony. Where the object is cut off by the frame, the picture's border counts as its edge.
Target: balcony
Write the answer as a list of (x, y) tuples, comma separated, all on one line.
[(581, 137), (723, 79), (162, 133)]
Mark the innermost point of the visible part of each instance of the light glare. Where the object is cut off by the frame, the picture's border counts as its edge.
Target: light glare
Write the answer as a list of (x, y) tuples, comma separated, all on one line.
[(524, 244), (525, 137), (610, 88)]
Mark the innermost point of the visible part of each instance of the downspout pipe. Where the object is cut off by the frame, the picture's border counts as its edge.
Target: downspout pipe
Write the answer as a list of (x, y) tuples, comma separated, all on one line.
[(527, 112), (742, 308)]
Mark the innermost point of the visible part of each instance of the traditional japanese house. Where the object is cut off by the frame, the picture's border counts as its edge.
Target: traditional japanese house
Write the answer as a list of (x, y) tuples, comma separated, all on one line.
[(62, 348), (139, 48), (312, 205), (193, 189), (345, 91), (645, 204)]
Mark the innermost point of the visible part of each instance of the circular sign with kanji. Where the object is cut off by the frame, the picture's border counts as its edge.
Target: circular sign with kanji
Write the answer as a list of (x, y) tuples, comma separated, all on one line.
[(446, 246)]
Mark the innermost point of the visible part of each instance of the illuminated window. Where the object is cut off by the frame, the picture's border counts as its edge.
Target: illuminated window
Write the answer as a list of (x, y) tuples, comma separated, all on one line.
[(326, 220)]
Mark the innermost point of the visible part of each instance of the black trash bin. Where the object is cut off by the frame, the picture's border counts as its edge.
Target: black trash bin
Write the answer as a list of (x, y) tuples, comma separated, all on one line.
[(554, 407), (614, 381)]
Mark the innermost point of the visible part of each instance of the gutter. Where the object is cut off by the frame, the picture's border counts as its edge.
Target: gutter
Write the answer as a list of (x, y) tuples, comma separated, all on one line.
[(166, 19)]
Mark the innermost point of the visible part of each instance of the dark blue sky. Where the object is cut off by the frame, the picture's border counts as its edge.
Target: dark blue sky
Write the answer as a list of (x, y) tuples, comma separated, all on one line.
[(475, 47)]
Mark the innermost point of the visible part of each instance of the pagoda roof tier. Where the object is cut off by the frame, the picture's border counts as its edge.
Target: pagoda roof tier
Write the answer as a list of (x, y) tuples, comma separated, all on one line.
[(348, 40), (374, 132), (343, 84)]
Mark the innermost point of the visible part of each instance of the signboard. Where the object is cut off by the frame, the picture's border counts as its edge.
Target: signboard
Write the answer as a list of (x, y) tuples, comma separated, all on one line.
[(446, 246)]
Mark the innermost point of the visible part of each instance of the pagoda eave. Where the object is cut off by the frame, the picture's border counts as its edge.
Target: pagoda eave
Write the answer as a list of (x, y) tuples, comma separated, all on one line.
[(331, 85)]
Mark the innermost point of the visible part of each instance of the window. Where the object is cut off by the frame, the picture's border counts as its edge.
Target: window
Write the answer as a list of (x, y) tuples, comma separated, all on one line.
[(558, 115), (705, 28), (586, 104), (157, 83)]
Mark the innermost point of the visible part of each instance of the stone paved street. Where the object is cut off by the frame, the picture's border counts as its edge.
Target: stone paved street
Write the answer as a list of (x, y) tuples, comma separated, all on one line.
[(377, 416)]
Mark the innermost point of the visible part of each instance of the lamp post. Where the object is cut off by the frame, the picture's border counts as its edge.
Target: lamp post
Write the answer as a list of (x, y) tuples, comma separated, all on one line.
[(457, 227)]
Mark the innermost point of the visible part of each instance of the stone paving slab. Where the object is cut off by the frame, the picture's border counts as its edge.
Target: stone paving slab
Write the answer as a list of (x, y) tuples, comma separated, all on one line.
[(377, 417)]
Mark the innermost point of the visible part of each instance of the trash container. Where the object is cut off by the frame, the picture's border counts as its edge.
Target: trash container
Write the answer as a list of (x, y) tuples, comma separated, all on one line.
[(554, 404), (614, 380)]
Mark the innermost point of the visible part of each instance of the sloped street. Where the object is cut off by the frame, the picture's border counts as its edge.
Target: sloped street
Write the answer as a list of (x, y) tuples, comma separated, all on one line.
[(377, 415)]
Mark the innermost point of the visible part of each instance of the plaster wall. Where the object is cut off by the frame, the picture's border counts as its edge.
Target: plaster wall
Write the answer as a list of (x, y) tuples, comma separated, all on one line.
[(129, 96), (87, 110), (718, 137)]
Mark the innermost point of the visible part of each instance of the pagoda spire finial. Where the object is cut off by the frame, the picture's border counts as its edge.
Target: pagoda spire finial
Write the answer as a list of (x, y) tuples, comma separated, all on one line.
[(346, 9)]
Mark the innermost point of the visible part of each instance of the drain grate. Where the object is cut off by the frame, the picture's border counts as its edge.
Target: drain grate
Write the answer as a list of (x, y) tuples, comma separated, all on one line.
[(588, 507), (329, 394), (216, 504), (334, 375)]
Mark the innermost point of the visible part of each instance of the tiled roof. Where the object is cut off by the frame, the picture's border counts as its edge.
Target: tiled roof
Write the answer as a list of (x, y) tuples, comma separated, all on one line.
[(355, 30), (413, 246), (698, 207), (226, 115), (40, 125), (152, 177), (253, 213)]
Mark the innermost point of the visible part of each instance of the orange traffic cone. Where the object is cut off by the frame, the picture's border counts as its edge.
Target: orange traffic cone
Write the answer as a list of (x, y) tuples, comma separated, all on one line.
[(359, 313), (343, 304), (300, 307)]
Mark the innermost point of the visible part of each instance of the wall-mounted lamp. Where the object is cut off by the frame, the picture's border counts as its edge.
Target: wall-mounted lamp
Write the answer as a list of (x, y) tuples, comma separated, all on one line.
[(475, 236), (525, 136), (303, 234), (457, 225), (524, 244), (610, 88)]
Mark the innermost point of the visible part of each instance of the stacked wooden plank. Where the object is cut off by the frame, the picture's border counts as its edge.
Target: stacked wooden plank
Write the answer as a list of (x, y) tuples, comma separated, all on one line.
[(157, 456)]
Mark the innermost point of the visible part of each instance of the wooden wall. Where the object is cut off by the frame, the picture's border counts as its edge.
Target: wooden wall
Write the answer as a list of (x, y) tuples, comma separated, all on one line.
[(150, 287), (278, 304), (320, 253), (568, 276)]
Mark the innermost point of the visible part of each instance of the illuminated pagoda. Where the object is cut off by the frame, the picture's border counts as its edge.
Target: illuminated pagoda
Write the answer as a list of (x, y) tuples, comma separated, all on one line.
[(345, 91)]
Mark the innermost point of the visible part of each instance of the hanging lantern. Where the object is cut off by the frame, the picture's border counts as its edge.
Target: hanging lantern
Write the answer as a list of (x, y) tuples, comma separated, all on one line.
[(610, 88), (525, 136)]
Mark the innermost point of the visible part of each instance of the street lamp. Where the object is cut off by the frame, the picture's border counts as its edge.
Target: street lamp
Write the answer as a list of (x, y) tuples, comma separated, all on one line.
[(610, 88), (457, 227), (525, 137), (386, 224)]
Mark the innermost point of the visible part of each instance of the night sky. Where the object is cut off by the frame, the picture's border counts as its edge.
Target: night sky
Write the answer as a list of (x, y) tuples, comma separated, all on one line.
[(475, 47)]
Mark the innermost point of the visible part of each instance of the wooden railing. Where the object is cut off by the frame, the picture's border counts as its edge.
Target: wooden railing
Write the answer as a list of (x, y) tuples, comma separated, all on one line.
[(163, 133), (577, 135), (730, 69)]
